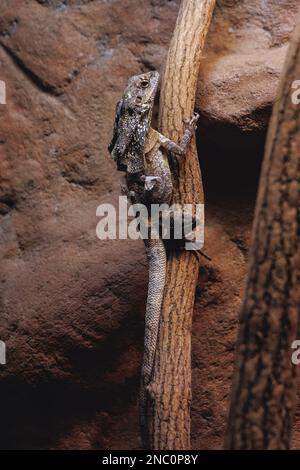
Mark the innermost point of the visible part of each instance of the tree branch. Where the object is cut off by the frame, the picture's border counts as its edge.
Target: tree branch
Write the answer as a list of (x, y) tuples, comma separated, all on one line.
[(171, 387), (264, 388)]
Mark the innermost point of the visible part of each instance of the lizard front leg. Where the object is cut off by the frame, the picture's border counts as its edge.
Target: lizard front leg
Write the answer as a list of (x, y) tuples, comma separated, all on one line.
[(159, 180), (180, 149)]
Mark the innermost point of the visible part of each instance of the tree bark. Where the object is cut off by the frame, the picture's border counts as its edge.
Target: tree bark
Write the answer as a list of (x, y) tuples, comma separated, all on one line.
[(264, 387), (171, 386)]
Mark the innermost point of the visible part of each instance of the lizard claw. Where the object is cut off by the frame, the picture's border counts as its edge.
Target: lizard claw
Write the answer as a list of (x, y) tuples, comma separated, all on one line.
[(194, 120), (192, 123), (150, 181), (125, 191)]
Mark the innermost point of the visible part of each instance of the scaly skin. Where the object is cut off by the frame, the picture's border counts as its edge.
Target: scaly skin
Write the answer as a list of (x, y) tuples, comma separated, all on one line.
[(157, 259), (137, 150)]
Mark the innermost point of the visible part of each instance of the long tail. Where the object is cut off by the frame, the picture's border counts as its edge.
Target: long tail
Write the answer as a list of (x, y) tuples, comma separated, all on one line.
[(156, 254)]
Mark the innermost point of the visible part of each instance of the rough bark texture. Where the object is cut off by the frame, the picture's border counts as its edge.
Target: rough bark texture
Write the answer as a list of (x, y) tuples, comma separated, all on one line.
[(171, 388), (264, 391)]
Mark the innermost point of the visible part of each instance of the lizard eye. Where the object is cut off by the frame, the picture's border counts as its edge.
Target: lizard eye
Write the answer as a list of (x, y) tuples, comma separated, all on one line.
[(144, 83)]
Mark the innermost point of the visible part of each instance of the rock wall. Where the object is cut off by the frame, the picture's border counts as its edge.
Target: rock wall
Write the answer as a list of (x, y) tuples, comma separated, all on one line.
[(71, 305)]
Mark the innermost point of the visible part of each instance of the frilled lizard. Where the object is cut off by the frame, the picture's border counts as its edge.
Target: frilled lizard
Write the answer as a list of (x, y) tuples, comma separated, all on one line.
[(137, 150)]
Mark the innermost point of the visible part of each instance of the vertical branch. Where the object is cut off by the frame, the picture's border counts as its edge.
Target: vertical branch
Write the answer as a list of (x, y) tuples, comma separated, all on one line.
[(264, 388), (171, 387)]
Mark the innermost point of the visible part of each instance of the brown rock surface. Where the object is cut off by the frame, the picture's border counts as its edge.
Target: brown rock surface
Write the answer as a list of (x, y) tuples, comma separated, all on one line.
[(72, 306), (245, 51)]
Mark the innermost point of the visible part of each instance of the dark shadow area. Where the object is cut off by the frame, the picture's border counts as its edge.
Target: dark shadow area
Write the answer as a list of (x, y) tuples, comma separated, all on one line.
[(230, 162), (36, 417)]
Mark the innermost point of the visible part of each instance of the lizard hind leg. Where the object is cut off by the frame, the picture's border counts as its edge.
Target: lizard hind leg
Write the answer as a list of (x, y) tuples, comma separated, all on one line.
[(176, 228), (182, 232)]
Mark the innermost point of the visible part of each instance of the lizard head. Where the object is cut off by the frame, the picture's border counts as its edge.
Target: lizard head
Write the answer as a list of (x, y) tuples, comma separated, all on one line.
[(132, 122), (140, 92)]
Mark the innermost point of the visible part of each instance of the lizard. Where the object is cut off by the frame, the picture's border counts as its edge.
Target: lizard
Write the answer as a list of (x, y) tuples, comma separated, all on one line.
[(137, 149)]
